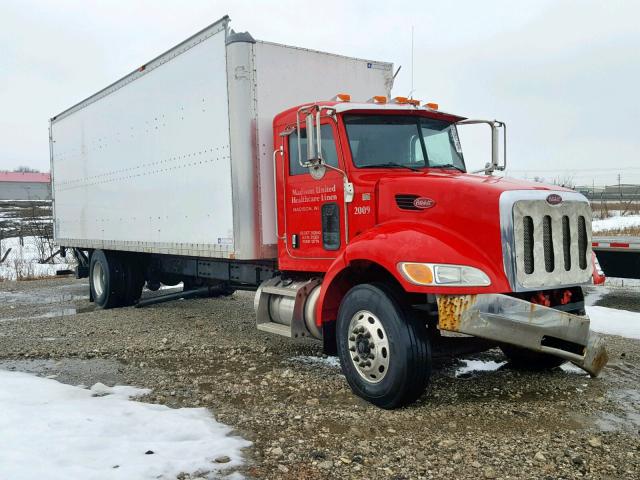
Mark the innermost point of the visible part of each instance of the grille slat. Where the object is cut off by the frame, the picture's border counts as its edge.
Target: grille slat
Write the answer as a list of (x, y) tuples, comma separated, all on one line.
[(547, 243), (582, 243), (528, 245), (566, 242)]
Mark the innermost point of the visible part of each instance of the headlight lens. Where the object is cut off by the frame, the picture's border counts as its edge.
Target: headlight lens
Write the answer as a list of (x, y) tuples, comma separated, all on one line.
[(442, 274)]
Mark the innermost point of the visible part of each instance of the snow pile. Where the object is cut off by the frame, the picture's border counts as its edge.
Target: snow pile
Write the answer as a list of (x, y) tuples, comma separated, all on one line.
[(615, 223), (614, 322), (56, 431), (478, 366), (22, 261)]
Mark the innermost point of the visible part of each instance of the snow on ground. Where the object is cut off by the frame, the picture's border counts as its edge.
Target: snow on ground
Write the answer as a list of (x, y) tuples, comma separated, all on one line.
[(22, 262), (615, 223), (332, 362), (573, 369), (614, 322), (56, 431), (478, 366)]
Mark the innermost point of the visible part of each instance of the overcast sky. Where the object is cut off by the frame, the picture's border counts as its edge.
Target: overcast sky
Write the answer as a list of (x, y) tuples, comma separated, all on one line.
[(564, 75)]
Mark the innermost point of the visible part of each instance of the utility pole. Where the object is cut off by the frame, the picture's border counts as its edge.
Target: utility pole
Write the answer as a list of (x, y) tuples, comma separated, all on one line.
[(619, 187)]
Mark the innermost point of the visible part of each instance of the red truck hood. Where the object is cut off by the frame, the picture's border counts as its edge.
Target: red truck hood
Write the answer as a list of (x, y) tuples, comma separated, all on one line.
[(463, 205), (456, 196)]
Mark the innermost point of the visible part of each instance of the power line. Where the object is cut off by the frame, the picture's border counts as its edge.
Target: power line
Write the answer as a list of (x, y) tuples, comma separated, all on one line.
[(578, 169)]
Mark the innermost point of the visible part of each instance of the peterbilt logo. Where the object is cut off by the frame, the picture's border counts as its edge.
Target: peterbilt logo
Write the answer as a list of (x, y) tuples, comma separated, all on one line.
[(554, 199), (423, 203)]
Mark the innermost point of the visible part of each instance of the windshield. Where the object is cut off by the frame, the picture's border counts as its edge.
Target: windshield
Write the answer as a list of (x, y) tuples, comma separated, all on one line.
[(388, 141)]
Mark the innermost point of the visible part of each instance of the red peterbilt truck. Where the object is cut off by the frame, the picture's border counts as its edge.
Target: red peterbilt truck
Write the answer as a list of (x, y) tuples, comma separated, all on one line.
[(355, 222)]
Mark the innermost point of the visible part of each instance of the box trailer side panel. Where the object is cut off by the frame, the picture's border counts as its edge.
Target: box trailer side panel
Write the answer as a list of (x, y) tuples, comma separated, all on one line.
[(287, 76), (145, 164)]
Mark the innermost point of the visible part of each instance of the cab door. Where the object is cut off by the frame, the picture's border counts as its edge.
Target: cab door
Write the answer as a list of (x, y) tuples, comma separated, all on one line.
[(314, 202)]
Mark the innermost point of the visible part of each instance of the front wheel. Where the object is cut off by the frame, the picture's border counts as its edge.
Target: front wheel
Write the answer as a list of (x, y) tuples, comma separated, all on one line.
[(384, 350)]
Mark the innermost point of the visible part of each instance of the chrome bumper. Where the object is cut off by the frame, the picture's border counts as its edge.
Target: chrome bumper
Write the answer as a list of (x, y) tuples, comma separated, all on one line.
[(510, 320)]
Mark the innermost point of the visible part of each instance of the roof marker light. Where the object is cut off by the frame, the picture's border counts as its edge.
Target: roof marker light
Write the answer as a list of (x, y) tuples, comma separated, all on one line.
[(431, 105), (401, 100), (342, 97), (377, 99)]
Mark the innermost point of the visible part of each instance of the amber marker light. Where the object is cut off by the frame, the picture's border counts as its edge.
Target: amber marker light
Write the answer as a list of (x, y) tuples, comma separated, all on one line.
[(401, 100), (378, 99), (418, 273), (342, 97)]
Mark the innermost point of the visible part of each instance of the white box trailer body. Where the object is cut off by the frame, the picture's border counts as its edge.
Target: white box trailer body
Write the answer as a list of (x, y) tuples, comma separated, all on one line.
[(176, 157)]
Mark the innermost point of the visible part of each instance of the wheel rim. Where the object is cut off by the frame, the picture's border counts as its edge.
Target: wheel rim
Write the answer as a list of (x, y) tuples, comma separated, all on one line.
[(368, 346), (98, 279)]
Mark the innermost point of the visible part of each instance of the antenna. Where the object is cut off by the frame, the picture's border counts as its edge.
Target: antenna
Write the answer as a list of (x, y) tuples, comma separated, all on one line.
[(412, 89)]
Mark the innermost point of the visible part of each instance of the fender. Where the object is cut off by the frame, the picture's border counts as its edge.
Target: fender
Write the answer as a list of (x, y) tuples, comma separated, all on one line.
[(389, 243)]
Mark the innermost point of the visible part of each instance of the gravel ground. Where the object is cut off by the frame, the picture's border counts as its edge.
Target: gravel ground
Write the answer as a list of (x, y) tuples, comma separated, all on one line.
[(298, 410)]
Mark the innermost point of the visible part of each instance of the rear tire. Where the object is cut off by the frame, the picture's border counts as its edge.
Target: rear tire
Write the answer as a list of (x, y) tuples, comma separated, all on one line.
[(523, 359), (106, 279), (384, 350)]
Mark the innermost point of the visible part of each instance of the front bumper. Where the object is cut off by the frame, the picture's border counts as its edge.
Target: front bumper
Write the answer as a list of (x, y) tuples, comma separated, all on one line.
[(506, 319)]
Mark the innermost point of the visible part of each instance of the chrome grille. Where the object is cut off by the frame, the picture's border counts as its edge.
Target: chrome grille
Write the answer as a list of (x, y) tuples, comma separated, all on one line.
[(547, 251)]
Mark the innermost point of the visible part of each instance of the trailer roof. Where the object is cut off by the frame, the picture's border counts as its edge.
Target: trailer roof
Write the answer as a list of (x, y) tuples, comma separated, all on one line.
[(182, 47)]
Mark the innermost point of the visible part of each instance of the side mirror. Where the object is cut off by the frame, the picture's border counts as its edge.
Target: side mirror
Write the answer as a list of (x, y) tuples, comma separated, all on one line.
[(495, 126), (312, 151)]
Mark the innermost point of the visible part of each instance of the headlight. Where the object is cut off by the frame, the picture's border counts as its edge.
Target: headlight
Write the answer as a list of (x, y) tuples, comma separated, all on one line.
[(446, 275)]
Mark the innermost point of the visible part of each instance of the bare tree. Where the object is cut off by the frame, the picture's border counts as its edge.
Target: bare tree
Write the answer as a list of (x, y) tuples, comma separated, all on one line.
[(24, 169)]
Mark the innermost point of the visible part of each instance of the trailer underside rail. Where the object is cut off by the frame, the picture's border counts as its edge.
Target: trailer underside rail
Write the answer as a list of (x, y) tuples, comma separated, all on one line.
[(618, 256)]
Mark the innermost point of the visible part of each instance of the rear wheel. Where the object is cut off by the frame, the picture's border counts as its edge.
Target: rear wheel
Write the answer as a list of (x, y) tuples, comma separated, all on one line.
[(106, 279), (384, 350), (115, 279), (524, 359)]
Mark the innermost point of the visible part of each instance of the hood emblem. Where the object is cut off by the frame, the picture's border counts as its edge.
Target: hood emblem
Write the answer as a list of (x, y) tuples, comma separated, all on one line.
[(423, 203), (554, 199)]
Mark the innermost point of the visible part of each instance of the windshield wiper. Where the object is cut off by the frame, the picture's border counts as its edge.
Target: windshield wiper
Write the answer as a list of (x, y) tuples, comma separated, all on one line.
[(449, 165), (391, 165)]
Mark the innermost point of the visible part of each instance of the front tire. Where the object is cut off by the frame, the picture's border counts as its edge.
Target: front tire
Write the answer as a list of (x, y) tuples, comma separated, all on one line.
[(384, 350)]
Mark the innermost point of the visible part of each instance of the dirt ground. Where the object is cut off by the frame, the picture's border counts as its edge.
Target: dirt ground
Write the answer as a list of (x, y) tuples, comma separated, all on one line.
[(297, 409)]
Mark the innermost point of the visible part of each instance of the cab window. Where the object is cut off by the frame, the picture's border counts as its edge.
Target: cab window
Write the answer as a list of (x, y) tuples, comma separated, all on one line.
[(329, 150)]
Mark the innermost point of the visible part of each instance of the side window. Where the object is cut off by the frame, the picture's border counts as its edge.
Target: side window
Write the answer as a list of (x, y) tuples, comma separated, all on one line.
[(329, 150)]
